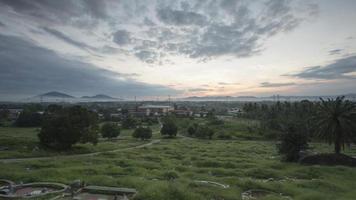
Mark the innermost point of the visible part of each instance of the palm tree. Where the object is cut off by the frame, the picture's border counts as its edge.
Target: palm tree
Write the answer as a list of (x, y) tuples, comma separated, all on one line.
[(336, 122)]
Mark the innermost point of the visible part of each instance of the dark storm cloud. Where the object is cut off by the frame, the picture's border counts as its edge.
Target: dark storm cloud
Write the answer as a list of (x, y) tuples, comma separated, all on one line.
[(67, 39), (339, 69), (274, 85), (29, 69), (2, 24), (121, 37), (68, 11), (195, 29)]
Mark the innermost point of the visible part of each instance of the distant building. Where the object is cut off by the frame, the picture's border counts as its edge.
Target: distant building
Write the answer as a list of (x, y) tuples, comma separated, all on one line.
[(234, 111), (154, 110), (14, 113), (183, 113), (115, 115), (201, 114)]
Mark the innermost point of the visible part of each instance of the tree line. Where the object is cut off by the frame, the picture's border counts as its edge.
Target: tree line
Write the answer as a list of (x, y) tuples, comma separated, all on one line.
[(296, 123)]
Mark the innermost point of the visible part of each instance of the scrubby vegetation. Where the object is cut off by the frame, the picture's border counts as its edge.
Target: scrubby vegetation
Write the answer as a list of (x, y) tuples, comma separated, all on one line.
[(110, 130), (211, 157), (170, 170)]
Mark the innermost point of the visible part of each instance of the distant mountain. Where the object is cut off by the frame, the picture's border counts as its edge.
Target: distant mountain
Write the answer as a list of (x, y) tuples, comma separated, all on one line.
[(55, 94), (246, 97), (98, 96)]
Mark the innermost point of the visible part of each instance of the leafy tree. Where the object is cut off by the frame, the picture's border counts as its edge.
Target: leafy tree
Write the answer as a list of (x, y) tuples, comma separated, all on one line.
[(336, 122), (192, 129), (64, 127), (291, 143), (200, 131), (110, 130), (129, 122), (143, 133), (169, 128)]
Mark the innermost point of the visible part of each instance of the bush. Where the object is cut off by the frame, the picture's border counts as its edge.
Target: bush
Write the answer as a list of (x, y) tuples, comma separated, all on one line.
[(329, 159), (142, 132), (129, 122), (170, 175), (200, 131), (204, 132), (169, 128), (291, 143), (192, 129), (110, 130), (64, 127)]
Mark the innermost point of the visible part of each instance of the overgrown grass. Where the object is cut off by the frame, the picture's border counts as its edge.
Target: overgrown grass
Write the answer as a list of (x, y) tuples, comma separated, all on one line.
[(23, 142), (235, 128), (170, 169)]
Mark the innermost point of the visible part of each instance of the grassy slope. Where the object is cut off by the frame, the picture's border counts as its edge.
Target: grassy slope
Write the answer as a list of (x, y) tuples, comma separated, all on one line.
[(241, 164), (23, 142)]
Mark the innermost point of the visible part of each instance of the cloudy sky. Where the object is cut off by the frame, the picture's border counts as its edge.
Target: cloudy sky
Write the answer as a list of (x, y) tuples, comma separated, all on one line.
[(156, 48)]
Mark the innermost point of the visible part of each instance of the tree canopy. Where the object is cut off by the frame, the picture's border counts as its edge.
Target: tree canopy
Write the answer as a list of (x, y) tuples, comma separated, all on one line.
[(110, 130), (169, 128), (63, 127), (142, 132), (336, 122)]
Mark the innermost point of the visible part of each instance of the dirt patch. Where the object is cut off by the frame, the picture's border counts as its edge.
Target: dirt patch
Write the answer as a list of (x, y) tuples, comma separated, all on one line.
[(89, 196), (259, 194), (329, 159), (213, 183)]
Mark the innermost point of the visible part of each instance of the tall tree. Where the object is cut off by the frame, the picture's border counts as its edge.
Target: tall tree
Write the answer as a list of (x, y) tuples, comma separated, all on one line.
[(169, 127), (64, 127), (110, 130), (336, 122), (142, 132)]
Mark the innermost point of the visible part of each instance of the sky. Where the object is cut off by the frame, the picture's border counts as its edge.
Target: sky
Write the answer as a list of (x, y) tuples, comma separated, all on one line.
[(155, 48)]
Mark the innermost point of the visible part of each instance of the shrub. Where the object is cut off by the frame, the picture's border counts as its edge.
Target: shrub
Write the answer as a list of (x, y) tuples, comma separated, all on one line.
[(110, 130), (204, 132), (192, 129), (291, 143), (142, 132), (170, 175)]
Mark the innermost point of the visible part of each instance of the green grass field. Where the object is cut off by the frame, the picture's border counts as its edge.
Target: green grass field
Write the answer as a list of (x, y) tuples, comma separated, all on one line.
[(23, 143), (172, 168)]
